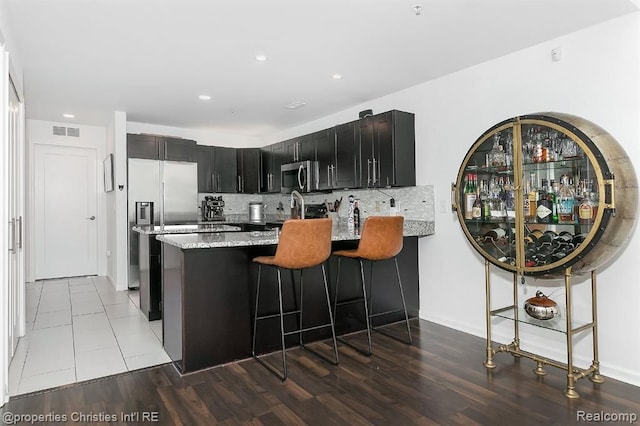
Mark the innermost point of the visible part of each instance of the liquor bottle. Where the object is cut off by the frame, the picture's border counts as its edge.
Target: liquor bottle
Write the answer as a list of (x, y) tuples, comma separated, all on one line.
[(587, 209), (533, 197), (551, 195), (356, 216), (497, 156), (565, 200), (544, 209), (469, 197), (477, 210)]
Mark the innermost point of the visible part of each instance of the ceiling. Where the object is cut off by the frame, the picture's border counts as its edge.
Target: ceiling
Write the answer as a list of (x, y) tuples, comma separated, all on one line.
[(152, 58)]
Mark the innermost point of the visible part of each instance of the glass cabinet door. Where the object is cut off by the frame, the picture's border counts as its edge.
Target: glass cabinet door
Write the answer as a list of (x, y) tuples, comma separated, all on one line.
[(528, 195)]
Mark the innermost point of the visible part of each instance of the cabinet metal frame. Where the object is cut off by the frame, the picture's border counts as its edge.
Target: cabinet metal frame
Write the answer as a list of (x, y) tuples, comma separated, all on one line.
[(573, 373)]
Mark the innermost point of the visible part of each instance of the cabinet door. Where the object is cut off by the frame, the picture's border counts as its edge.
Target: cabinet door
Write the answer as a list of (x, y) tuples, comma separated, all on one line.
[(325, 144), (366, 144), (249, 170), (395, 149), (226, 174), (143, 146), (347, 156), (204, 157), (272, 158), (179, 149), (306, 148)]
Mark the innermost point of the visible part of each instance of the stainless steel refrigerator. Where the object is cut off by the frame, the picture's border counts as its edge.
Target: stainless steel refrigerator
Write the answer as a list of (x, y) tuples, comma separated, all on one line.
[(172, 187)]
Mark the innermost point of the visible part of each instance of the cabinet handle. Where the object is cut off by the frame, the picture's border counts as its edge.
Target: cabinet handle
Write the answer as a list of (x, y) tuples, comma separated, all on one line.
[(19, 226), (368, 172), (333, 176), (374, 171), (213, 181), (12, 236), (454, 198), (609, 195), (239, 185), (329, 176)]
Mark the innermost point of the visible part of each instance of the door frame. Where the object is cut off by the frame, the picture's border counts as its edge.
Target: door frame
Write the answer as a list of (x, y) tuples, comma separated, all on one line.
[(32, 201)]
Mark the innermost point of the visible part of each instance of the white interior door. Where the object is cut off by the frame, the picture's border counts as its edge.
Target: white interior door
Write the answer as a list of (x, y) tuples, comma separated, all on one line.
[(65, 211)]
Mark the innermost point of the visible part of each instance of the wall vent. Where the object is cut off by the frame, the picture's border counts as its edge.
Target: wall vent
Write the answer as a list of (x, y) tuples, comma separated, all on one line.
[(66, 131), (59, 131)]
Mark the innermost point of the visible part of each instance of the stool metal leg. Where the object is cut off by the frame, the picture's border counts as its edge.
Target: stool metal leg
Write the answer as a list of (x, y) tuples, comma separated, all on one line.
[(366, 307), (335, 296), (331, 319), (301, 303), (255, 314), (281, 376), (404, 308)]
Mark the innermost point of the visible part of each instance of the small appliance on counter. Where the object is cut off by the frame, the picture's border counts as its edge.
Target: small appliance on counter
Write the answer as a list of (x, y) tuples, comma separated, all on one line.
[(315, 211), (256, 212), (212, 208)]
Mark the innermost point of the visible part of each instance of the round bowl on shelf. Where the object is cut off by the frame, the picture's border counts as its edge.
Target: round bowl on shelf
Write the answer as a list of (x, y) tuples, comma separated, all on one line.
[(541, 307)]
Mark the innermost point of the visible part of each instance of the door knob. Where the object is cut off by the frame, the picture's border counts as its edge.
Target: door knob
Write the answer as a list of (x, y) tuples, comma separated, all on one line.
[(92, 218)]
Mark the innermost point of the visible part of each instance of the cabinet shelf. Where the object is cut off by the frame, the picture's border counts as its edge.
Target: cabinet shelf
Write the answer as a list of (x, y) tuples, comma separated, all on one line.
[(557, 323)]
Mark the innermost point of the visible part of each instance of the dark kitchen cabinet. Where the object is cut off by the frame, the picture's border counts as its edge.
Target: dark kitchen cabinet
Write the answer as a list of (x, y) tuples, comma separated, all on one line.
[(206, 168), (300, 149), (345, 172), (272, 158), (179, 150), (387, 150), (225, 170), (161, 148), (249, 167), (143, 146), (325, 144)]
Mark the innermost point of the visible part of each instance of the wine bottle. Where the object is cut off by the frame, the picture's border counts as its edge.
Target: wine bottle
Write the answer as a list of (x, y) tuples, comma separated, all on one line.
[(356, 216), (544, 208), (469, 197)]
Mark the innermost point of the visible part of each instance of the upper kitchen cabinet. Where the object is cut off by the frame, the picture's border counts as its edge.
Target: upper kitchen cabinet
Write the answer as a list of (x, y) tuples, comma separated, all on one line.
[(324, 141), (161, 148), (345, 173), (387, 150), (179, 149), (301, 148), (249, 167), (206, 168), (143, 146), (225, 170), (272, 158)]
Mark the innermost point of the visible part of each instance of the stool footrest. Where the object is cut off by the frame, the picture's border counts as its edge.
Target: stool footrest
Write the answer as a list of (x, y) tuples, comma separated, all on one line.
[(261, 317), (385, 313), (303, 330), (349, 301)]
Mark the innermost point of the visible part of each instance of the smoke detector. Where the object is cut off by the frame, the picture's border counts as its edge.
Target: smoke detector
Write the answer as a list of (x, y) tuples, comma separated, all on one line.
[(417, 9)]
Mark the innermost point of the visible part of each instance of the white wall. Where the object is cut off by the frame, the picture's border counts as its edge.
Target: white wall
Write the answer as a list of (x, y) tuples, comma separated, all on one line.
[(40, 132), (598, 79), (203, 137)]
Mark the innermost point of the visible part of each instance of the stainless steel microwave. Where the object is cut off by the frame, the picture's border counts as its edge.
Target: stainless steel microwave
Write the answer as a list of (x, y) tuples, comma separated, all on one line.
[(302, 176)]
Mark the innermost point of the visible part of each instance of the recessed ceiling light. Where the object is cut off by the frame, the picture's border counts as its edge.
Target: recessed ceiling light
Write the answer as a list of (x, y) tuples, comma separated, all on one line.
[(336, 76), (295, 105), (261, 58), (68, 116), (204, 97)]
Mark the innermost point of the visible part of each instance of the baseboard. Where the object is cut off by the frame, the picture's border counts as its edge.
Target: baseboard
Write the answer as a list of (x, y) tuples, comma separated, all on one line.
[(554, 352)]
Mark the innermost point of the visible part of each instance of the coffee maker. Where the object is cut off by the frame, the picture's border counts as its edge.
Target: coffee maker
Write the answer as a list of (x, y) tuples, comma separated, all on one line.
[(212, 208)]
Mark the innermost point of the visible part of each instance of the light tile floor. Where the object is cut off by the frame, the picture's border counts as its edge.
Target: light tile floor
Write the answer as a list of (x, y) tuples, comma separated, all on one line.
[(80, 329)]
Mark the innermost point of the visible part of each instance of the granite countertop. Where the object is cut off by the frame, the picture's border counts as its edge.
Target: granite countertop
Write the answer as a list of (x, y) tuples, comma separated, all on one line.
[(412, 228), (184, 229)]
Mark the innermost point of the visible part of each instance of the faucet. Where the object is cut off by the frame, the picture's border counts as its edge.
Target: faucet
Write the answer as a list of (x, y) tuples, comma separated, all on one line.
[(293, 202)]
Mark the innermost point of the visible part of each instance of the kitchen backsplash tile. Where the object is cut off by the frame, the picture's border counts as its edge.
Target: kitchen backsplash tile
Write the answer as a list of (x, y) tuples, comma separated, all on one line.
[(414, 203)]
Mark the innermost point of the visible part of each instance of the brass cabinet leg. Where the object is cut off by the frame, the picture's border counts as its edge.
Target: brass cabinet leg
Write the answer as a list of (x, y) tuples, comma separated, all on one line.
[(595, 377), (516, 327), (570, 392), (489, 362), (539, 370)]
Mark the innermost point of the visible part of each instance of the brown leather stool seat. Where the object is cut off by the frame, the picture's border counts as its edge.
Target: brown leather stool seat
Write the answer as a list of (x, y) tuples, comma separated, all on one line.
[(303, 243), (381, 239)]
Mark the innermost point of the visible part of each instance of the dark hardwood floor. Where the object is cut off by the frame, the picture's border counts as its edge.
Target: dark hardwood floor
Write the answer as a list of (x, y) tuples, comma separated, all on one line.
[(438, 380)]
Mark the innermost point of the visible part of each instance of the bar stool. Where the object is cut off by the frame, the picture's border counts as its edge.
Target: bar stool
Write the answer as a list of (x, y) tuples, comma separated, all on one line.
[(381, 239), (303, 243)]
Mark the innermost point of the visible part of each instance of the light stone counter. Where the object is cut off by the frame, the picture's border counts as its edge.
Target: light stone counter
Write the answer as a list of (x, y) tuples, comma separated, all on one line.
[(412, 228), (184, 229)]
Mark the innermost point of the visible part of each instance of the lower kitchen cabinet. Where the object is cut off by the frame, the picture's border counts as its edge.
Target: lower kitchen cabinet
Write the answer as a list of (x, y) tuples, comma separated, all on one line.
[(209, 300)]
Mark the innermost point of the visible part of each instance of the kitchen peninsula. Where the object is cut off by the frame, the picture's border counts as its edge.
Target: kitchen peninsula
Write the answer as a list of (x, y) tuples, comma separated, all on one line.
[(209, 286)]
